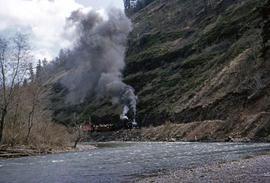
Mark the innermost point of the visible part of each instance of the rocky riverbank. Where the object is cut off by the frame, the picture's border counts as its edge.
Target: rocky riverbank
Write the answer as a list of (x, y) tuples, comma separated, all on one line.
[(206, 131), (251, 169)]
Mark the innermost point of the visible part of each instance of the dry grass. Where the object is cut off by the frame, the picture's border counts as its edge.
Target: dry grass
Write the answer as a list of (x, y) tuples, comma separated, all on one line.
[(43, 135), (29, 123)]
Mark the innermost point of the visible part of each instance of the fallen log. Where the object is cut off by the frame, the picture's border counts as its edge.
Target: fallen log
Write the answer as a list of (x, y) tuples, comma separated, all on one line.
[(13, 155)]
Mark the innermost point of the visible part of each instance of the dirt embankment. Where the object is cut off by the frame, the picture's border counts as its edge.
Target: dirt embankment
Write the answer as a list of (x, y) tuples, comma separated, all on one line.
[(204, 131)]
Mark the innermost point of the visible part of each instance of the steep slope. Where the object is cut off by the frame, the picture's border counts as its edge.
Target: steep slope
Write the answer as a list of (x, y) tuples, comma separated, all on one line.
[(204, 67), (189, 62)]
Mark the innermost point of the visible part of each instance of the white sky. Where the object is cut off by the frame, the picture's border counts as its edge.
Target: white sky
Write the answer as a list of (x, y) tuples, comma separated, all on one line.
[(44, 21), (102, 3)]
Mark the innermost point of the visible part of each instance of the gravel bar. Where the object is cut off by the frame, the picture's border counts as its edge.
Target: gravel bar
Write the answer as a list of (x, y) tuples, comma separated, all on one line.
[(250, 170)]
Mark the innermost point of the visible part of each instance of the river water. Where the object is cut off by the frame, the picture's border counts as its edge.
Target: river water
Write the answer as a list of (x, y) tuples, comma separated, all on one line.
[(121, 161)]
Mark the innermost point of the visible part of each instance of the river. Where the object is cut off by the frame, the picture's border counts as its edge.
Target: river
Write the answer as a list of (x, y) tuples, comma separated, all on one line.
[(114, 162)]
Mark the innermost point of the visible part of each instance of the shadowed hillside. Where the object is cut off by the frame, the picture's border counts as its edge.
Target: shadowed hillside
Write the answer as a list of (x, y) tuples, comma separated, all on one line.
[(197, 63)]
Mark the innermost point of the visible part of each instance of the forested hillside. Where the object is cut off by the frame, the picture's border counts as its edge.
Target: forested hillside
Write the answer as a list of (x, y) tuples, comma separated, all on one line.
[(201, 63)]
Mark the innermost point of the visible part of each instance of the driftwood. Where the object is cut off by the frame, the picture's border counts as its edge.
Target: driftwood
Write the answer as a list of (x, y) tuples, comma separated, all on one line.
[(12, 155), (21, 151), (13, 152)]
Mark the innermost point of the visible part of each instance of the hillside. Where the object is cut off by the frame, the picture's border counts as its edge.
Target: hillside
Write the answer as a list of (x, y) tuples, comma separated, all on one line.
[(190, 63), (203, 66)]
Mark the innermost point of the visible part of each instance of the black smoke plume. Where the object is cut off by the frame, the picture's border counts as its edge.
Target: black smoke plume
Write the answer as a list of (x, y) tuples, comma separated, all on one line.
[(95, 62)]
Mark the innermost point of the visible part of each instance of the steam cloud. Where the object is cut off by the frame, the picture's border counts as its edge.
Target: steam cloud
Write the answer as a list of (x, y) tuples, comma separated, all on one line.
[(97, 58)]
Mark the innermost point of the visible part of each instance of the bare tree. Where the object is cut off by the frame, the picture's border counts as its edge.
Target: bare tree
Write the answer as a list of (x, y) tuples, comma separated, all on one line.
[(78, 130), (255, 42), (3, 50), (36, 91), (14, 54), (211, 3)]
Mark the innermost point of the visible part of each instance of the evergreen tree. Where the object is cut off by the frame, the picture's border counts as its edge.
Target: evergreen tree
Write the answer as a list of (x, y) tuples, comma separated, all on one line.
[(38, 70), (44, 62), (127, 4), (31, 72)]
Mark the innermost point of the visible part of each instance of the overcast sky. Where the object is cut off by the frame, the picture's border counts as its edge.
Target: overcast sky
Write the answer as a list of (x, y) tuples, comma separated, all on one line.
[(44, 20), (102, 3)]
